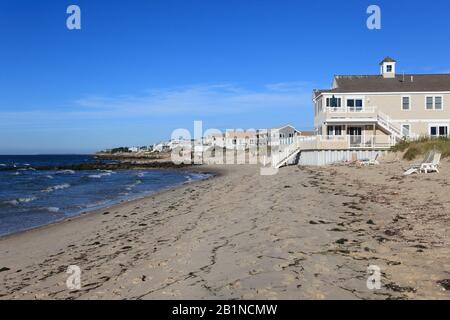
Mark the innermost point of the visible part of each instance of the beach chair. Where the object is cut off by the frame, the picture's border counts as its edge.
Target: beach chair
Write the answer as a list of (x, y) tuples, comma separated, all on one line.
[(416, 168), (370, 162), (433, 166)]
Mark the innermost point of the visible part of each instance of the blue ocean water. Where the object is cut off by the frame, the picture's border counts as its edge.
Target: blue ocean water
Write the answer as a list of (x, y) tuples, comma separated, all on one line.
[(31, 198)]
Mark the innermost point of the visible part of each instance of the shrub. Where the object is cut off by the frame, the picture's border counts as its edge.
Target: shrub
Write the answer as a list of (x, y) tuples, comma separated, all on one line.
[(422, 146)]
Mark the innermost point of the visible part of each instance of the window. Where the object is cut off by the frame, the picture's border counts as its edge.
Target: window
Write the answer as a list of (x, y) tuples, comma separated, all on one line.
[(355, 104), (429, 103), (389, 68), (438, 103), (439, 130), (406, 129), (334, 130), (405, 103), (336, 104), (434, 103)]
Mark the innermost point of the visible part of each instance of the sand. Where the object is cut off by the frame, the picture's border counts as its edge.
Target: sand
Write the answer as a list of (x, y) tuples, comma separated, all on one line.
[(305, 233)]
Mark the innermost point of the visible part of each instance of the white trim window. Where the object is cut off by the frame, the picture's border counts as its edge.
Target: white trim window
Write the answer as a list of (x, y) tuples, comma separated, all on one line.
[(406, 103), (434, 103), (329, 102), (355, 104), (406, 130), (334, 130), (438, 130)]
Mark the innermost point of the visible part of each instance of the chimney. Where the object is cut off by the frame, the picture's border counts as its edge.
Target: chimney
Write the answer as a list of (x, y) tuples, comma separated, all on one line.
[(387, 67)]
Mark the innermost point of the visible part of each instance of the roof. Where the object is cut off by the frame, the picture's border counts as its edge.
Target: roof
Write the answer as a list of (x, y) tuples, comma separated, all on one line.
[(241, 134), (284, 126), (307, 133), (387, 59), (401, 83)]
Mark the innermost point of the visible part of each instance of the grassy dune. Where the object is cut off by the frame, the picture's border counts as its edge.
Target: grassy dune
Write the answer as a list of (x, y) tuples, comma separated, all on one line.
[(421, 146)]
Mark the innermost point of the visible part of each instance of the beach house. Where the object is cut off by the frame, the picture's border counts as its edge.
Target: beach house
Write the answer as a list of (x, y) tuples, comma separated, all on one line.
[(362, 115), (240, 140), (376, 111)]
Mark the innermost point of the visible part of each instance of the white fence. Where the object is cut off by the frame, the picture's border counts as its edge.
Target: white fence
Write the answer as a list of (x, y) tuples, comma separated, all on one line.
[(325, 157)]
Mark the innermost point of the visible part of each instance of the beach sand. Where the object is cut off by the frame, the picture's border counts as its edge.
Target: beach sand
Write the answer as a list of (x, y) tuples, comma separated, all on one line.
[(305, 233)]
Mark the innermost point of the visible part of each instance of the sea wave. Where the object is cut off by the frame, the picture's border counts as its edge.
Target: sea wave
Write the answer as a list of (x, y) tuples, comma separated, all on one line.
[(66, 172), (16, 202), (131, 186), (195, 177), (57, 187), (100, 175), (52, 209)]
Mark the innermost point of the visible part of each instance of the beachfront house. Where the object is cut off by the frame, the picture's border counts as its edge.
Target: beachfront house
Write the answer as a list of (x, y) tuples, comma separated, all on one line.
[(240, 140), (283, 135), (377, 111), (161, 147), (215, 140), (363, 115)]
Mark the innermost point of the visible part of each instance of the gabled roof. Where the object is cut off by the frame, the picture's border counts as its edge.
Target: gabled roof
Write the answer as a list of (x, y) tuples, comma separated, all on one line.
[(401, 83), (284, 126)]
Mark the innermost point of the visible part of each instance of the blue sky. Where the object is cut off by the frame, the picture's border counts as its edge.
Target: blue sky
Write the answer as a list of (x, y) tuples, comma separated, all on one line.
[(140, 69)]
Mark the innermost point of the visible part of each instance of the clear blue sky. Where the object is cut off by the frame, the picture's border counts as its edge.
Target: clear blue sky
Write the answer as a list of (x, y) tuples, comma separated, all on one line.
[(140, 69)]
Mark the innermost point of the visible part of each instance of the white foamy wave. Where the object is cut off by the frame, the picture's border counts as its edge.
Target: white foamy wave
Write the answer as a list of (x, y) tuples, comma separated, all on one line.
[(49, 177), (16, 202), (58, 187), (100, 175), (141, 174), (196, 176), (131, 186), (52, 209), (66, 172), (2, 165)]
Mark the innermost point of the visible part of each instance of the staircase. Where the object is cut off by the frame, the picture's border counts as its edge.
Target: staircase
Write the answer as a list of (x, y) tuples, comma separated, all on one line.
[(385, 122)]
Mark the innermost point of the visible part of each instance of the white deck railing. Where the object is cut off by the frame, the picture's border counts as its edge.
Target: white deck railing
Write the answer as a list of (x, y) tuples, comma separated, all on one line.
[(324, 142)]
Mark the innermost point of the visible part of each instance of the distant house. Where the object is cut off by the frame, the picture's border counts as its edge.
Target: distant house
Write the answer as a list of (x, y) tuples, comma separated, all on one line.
[(215, 140), (283, 135), (161, 147), (240, 140)]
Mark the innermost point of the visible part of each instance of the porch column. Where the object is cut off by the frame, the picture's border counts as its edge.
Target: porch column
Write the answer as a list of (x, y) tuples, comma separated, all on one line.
[(374, 136)]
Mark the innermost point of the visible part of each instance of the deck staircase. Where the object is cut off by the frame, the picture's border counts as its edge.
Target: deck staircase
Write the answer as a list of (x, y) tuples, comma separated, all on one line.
[(385, 122), (289, 152)]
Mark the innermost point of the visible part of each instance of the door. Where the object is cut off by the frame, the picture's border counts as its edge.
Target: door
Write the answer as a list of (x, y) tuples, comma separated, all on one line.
[(355, 135)]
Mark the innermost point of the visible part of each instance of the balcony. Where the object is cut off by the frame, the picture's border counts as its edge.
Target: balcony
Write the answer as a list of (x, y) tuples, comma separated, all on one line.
[(346, 142), (348, 114)]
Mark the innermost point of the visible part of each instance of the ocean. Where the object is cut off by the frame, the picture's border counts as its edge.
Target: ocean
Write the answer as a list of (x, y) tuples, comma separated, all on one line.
[(30, 198)]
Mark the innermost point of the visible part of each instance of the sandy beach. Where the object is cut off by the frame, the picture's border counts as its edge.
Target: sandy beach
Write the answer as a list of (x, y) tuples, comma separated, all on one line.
[(305, 233)]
